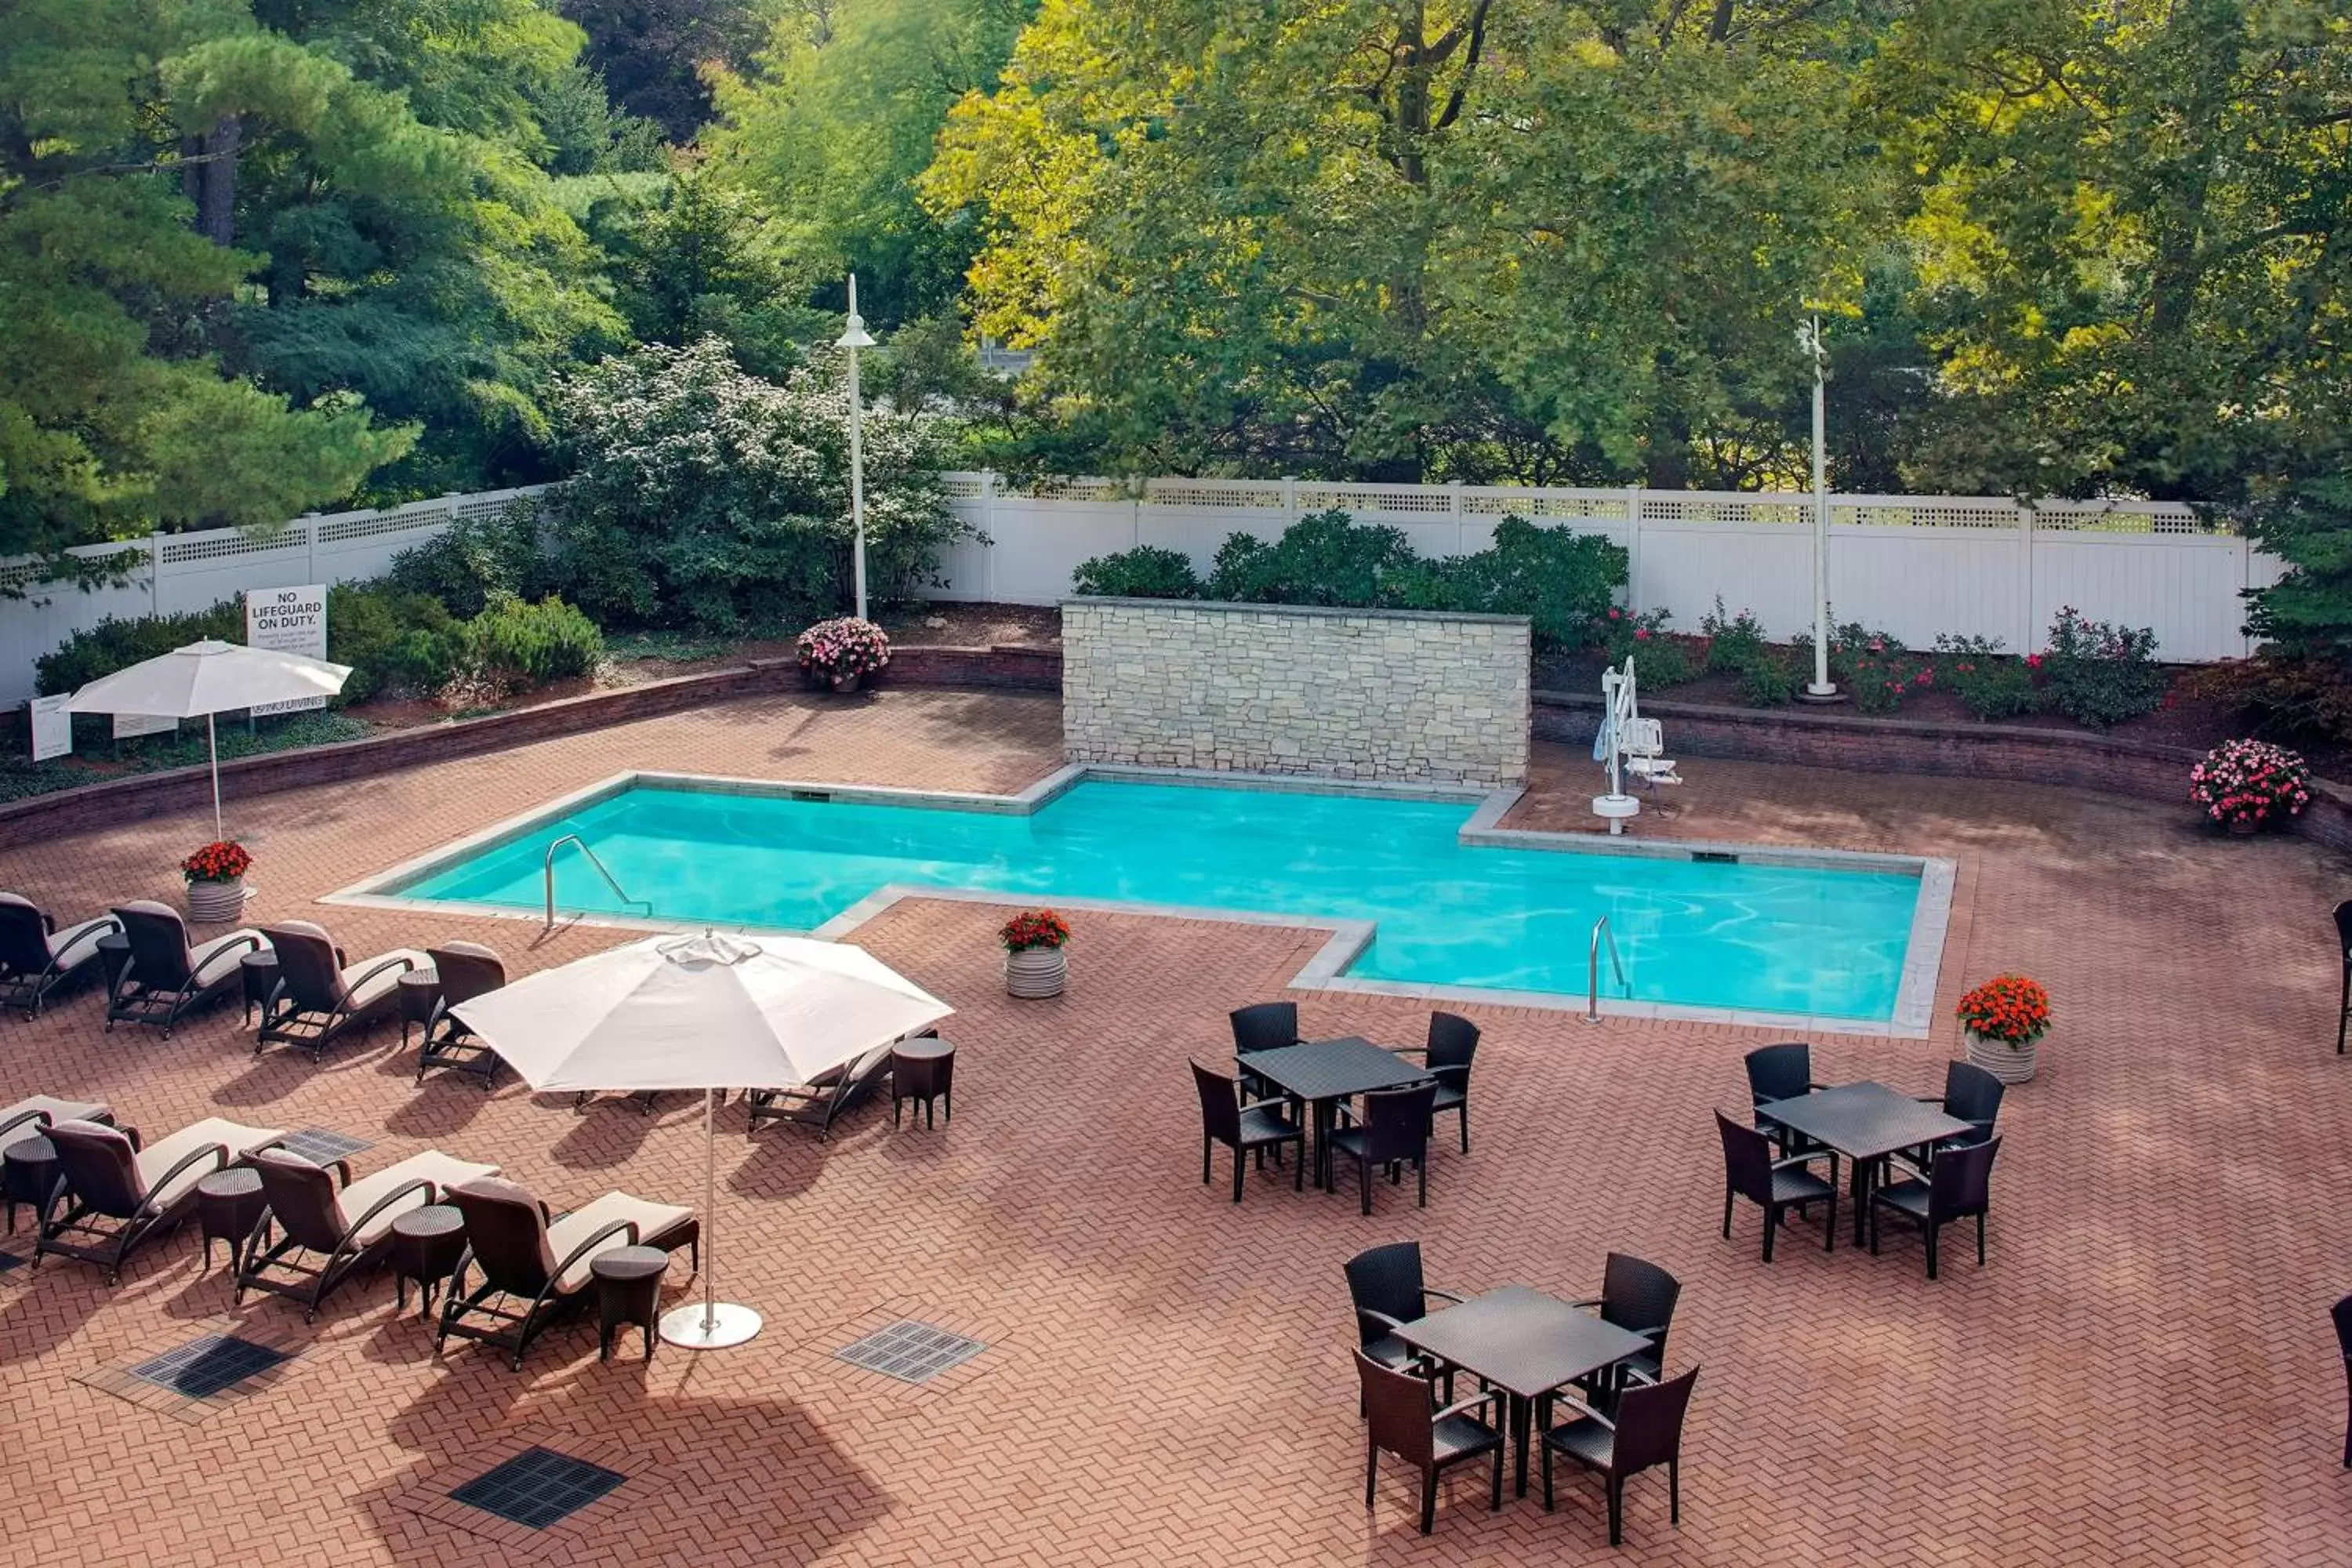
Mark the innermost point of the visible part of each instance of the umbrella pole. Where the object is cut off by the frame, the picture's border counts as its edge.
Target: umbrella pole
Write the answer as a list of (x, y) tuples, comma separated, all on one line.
[(713, 1324), (211, 745)]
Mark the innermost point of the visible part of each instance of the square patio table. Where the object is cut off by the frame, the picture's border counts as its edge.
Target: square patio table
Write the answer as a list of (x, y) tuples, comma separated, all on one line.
[(1865, 1123), (1524, 1343), (1324, 1072)]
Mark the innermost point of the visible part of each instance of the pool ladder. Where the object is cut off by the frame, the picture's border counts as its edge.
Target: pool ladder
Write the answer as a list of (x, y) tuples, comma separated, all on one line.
[(1600, 932), (547, 870)]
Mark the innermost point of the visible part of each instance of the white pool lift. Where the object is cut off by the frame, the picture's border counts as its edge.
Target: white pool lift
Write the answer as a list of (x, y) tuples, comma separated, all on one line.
[(1630, 746)]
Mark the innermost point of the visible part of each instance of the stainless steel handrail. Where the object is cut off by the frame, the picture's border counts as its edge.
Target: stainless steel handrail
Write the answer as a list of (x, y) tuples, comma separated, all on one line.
[(547, 870), (1593, 969)]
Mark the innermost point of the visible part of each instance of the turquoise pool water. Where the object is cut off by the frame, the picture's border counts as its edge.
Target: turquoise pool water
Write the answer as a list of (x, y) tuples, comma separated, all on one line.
[(1743, 935)]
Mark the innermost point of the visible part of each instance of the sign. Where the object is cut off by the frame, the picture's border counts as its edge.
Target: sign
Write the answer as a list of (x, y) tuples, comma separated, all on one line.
[(288, 620), (52, 727), (126, 725)]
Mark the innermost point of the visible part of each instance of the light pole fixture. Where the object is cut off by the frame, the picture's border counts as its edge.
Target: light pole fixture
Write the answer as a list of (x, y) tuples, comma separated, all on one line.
[(1809, 341), (853, 339)]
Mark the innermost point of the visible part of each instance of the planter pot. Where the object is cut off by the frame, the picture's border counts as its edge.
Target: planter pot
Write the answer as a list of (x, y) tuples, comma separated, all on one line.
[(847, 683), (2245, 829), (211, 904), (2011, 1064), (1035, 972)]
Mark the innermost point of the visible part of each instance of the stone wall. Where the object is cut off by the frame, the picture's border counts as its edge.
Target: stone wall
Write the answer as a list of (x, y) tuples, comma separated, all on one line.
[(1284, 688)]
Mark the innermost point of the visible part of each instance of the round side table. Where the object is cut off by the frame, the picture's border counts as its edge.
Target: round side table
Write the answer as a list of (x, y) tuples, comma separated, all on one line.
[(628, 1290), (260, 973), (29, 1169), (419, 990), (922, 1070), (113, 958), (426, 1246), (229, 1203)]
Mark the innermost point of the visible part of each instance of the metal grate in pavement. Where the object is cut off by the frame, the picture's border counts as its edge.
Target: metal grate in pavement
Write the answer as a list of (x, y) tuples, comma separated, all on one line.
[(538, 1488), (322, 1147), (909, 1352), (209, 1365)]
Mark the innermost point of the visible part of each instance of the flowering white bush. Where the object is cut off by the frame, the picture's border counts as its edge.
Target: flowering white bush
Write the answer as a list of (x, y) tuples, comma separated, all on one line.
[(845, 646), (2250, 782)]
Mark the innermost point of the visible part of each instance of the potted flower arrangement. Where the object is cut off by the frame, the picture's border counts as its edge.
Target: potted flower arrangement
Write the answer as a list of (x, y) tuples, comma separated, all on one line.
[(841, 653), (215, 875), (2004, 1018), (1034, 963), (2248, 786)]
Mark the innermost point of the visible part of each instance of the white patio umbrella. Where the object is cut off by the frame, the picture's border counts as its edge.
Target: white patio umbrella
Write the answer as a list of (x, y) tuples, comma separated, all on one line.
[(710, 1011), (208, 678)]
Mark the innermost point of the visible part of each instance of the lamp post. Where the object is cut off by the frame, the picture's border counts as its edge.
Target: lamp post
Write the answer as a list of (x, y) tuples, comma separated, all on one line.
[(854, 338), (1808, 339)]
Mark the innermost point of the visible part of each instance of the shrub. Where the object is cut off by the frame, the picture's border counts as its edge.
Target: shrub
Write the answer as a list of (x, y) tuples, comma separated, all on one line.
[(2250, 783), (1991, 685), (1733, 642), (1659, 659), (1147, 571), (393, 641), (118, 642), (518, 645), (1769, 680), (1563, 581), (2295, 696), (1321, 559), (2308, 612), (473, 559), (2101, 674)]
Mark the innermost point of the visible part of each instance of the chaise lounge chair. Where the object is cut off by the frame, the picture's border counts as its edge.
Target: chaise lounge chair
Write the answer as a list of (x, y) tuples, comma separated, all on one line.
[(824, 1099), (168, 976), (523, 1256), (21, 1183), (37, 958), (467, 970), (349, 1228), (318, 999), (118, 1194)]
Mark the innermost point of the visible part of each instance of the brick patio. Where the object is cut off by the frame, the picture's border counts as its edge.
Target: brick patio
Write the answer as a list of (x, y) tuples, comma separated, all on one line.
[(2143, 1373)]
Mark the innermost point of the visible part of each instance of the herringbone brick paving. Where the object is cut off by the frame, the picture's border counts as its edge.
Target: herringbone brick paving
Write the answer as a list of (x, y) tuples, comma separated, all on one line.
[(2142, 1374)]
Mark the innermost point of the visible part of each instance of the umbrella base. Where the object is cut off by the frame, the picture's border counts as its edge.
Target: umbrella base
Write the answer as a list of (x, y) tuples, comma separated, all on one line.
[(728, 1325)]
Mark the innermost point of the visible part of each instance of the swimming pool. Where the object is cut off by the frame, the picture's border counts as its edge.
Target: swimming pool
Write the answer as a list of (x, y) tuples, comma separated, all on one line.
[(1811, 937)]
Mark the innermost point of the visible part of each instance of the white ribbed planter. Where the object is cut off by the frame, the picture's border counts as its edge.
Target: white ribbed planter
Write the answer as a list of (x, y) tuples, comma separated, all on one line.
[(1035, 972), (211, 903), (2011, 1064)]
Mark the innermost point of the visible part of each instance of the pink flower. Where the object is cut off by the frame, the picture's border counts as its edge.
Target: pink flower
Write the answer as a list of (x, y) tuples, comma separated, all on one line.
[(1613, 615), (1641, 633), (2034, 661)]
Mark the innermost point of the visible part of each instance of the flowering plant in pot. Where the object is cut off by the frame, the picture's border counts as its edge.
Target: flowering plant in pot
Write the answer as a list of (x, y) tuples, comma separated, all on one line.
[(2247, 785), (844, 651), (1034, 963), (2005, 1018), (215, 876)]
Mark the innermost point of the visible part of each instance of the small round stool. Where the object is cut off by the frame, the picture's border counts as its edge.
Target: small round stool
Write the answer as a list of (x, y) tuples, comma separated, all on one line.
[(229, 1203), (628, 1290), (426, 1246), (922, 1070), (259, 971), (419, 990), (29, 1169)]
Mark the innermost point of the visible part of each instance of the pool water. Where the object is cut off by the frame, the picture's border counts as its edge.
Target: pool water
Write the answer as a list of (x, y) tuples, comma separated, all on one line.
[(1772, 938)]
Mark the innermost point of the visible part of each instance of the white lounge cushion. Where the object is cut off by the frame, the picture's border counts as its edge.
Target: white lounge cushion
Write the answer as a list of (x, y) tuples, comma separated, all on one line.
[(578, 1225), (433, 1166), (211, 959), (363, 992), (159, 1157), (19, 1121), (78, 945)]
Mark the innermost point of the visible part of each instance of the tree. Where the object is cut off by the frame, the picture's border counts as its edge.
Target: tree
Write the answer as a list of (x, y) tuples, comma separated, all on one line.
[(652, 53)]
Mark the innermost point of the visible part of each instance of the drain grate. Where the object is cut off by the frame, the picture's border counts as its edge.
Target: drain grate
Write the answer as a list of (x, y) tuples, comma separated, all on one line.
[(321, 1147), (538, 1486), (209, 1365), (909, 1352)]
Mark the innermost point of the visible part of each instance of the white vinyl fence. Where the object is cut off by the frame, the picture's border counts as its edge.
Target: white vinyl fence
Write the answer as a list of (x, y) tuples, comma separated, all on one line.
[(1916, 566), (171, 574), (1913, 565)]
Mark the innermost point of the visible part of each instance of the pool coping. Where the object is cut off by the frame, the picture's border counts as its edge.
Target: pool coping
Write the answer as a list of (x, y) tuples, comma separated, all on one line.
[(1347, 938)]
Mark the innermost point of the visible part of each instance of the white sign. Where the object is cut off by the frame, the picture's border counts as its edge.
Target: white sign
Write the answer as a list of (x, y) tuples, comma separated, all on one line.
[(288, 620), (52, 727), (126, 725)]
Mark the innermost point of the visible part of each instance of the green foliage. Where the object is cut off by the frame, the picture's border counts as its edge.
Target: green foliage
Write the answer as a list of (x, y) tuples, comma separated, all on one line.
[(1733, 642), (651, 52), (1147, 571), (2101, 674), (518, 645), (391, 639), (1769, 679), (21, 779), (2308, 613), (1659, 659), (2283, 695), (1564, 582), (120, 642), (1990, 684), (473, 559), (1325, 558), (703, 497)]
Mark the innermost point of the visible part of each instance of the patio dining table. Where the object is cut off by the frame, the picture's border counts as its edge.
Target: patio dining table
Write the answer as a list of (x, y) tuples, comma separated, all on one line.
[(1324, 1072), (1526, 1344), (1864, 1122)]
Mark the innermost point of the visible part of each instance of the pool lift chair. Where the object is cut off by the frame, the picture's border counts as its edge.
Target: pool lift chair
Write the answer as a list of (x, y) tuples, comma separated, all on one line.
[(1631, 746)]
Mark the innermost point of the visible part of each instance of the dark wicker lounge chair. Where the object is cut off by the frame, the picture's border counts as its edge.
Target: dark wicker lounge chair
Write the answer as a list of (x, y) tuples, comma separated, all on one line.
[(1774, 1185), (533, 1270), (2344, 947), (2342, 1313), (1645, 1432), (348, 1228), (118, 1194), (1394, 1128), (1453, 1043), (1958, 1185), (36, 959), (1397, 1411), (169, 977), (467, 970), (1250, 1129), (318, 999), (825, 1099)]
